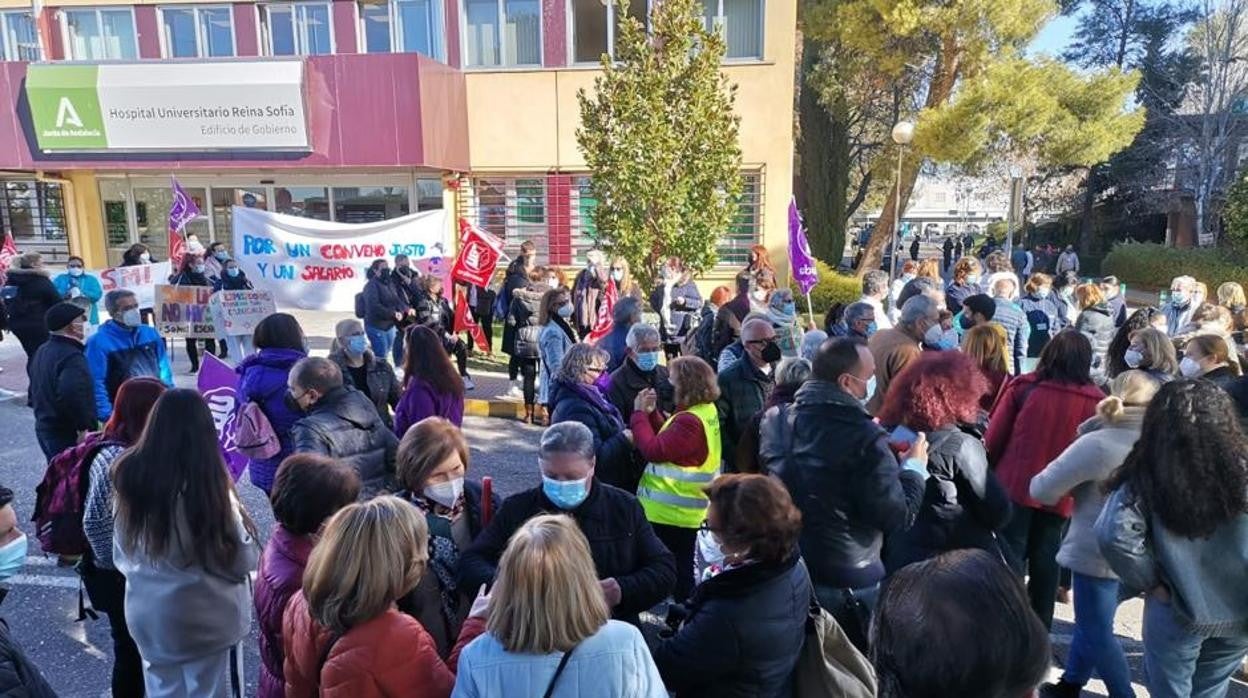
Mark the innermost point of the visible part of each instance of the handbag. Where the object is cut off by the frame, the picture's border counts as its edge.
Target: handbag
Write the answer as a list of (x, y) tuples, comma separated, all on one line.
[(829, 664)]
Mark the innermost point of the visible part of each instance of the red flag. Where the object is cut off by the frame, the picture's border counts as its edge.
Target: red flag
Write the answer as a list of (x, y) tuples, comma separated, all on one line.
[(465, 323), (7, 253), (177, 250), (604, 323), (479, 255)]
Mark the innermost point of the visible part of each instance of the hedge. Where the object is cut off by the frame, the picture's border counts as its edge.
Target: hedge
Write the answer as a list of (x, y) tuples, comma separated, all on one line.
[(1154, 266), (833, 287)]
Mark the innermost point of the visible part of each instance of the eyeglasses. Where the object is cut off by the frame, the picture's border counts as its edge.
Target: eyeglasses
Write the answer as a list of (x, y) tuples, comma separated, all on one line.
[(764, 340), (596, 370)]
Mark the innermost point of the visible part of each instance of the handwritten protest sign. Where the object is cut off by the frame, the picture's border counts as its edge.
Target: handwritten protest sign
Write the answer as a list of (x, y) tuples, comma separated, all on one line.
[(182, 311), (237, 313), (321, 265), (141, 278)]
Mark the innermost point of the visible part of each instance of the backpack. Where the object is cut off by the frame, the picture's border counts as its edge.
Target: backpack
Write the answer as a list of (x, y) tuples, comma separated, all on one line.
[(359, 305), (255, 437), (61, 496), (698, 342), (527, 342)]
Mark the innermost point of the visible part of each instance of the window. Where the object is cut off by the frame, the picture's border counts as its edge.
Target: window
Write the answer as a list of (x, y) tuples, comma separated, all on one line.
[(309, 202), (734, 246), (21, 38), (369, 204), (223, 201), (584, 233), (151, 217), (502, 32), (404, 26), (197, 32), (33, 211), (100, 34), (512, 209), (594, 28), (428, 194), (741, 23), (297, 29)]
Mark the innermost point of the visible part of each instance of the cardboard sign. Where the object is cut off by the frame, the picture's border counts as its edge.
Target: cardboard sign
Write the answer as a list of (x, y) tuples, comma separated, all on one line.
[(183, 311), (141, 279), (236, 313)]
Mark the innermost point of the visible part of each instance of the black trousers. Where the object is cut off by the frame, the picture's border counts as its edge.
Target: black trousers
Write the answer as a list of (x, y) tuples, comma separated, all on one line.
[(486, 321), (681, 541), (53, 442), (192, 350), (1032, 539), (107, 590), (31, 340), (459, 349), (528, 369)]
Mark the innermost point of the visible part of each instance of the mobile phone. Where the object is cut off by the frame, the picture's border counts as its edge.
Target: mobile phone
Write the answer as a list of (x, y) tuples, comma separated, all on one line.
[(902, 438)]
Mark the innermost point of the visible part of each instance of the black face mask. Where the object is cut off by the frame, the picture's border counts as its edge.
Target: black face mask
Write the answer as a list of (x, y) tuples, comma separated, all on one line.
[(384, 274), (292, 404), (771, 352)]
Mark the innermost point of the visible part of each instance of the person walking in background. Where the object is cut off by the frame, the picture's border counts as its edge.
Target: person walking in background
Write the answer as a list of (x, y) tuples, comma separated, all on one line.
[(60, 382), (280, 344), (747, 617), (915, 247), (1081, 471), (307, 491), (549, 632), (575, 398), (342, 632), (432, 461), (193, 273), (587, 293), (1068, 260), (385, 307), (553, 342), (684, 455), (186, 548), (1175, 528), (79, 287), (363, 370), (947, 253), (431, 387), (105, 586), (1034, 421), (640, 372), (123, 348), (340, 423), (964, 506), (1044, 315), (745, 385), (28, 294)]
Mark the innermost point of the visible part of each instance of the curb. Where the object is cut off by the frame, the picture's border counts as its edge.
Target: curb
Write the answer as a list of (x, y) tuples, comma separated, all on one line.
[(494, 408)]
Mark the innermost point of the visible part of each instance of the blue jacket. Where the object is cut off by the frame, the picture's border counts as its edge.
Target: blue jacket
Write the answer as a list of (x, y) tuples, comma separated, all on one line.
[(554, 341), (116, 353), (90, 288), (1017, 331), (1046, 318), (263, 381), (615, 344), (611, 663)]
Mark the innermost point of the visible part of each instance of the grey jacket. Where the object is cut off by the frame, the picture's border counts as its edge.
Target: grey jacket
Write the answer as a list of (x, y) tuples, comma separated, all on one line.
[(1081, 470), (345, 425)]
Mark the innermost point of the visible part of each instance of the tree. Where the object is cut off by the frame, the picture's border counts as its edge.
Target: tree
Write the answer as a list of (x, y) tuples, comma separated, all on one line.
[(660, 137), (1235, 215)]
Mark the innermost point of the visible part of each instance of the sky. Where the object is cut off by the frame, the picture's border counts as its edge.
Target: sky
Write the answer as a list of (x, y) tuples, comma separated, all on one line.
[(1055, 36)]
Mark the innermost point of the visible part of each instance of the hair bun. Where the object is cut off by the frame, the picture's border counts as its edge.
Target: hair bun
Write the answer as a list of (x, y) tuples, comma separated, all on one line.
[(1110, 408)]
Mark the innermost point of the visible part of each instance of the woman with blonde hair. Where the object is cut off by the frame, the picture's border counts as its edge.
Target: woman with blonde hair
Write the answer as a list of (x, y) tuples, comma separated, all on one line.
[(988, 346), (549, 629), (1152, 351), (622, 275), (1081, 471), (1096, 321), (1231, 296), (1208, 356), (343, 629)]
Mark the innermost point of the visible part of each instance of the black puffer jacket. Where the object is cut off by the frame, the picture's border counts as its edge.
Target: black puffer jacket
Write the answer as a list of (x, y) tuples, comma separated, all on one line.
[(19, 677), (345, 425), (435, 313), (35, 294), (523, 310), (621, 541), (382, 299), (617, 463), (383, 386), (963, 503), (842, 475), (743, 635), (61, 388)]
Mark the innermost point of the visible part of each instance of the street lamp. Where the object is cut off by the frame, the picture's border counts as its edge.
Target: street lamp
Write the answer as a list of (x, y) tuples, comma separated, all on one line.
[(903, 133)]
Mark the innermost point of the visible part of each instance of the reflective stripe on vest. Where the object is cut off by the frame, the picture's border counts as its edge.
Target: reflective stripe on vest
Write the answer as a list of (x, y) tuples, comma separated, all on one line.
[(672, 495)]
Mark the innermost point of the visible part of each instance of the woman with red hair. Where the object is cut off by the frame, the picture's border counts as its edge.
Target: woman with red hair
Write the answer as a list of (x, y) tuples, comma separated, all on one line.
[(964, 504)]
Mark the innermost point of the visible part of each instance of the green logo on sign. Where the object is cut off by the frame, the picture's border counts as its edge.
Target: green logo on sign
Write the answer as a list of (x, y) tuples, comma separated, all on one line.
[(65, 107)]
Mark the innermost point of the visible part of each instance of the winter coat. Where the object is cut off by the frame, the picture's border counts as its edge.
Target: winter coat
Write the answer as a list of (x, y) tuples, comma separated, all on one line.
[(383, 386), (1118, 310), (555, 340), (523, 310), (233, 283), (89, 289), (262, 380), (615, 344), (515, 279), (1097, 324), (628, 380), (279, 578), (743, 390), (1178, 318), (1017, 330), (19, 677), (963, 503), (747, 448), (60, 388), (116, 353), (893, 350), (621, 541), (186, 277), (1081, 471), (728, 319), (616, 461), (742, 637), (35, 295), (1222, 377), (1067, 261), (587, 291), (1045, 318), (680, 315), (956, 294), (384, 657), (421, 400), (178, 611), (382, 299), (343, 424), (435, 313), (837, 465), (611, 663), (1034, 421)]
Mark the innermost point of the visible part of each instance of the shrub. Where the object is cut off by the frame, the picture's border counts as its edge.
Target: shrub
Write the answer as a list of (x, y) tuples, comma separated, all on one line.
[(833, 287), (1153, 265)]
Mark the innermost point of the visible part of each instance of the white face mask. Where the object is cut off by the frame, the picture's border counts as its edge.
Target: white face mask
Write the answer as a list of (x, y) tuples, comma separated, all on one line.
[(131, 318), (1133, 357), (708, 557), (145, 258), (760, 295), (445, 493), (1189, 367), (933, 334)]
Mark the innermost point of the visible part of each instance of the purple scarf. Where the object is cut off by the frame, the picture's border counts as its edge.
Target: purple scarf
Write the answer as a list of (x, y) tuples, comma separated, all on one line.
[(592, 394)]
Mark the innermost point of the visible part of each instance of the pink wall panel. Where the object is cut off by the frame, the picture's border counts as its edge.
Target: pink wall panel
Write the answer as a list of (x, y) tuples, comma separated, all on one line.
[(145, 20), (246, 29), (345, 39), (453, 54), (554, 33)]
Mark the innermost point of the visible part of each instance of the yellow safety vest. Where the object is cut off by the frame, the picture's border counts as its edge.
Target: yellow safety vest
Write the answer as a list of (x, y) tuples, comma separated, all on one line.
[(671, 494)]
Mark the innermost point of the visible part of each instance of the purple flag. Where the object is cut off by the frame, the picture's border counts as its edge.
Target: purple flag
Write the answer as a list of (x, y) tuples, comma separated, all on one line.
[(800, 260), (218, 383), (183, 210)]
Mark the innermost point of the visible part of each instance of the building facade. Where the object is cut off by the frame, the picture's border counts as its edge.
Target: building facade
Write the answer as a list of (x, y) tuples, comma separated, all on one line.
[(408, 105)]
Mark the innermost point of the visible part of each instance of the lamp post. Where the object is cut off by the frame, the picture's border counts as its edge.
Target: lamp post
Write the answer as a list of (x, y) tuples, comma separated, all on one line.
[(903, 133)]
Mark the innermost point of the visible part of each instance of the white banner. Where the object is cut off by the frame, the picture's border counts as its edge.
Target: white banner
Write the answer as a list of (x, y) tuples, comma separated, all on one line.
[(319, 265), (142, 279)]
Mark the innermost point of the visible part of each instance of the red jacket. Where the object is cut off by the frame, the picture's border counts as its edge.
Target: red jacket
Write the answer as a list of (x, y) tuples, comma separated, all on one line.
[(390, 655), (682, 443), (1032, 424)]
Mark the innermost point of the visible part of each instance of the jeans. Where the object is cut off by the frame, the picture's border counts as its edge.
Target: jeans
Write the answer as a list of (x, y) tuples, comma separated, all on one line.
[(856, 625), (1179, 664), (53, 442), (1032, 539), (381, 340), (1094, 645), (397, 350), (240, 347)]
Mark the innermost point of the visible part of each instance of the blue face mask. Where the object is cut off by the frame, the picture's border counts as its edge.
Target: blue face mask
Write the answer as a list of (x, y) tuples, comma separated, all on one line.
[(357, 344), (647, 360), (232, 272), (221, 255), (871, 328), (789, 309), (565, 494), (12, 557), (198, 268)]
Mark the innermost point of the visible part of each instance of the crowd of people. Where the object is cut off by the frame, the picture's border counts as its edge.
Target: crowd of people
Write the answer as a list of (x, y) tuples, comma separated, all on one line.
[(935, 468)]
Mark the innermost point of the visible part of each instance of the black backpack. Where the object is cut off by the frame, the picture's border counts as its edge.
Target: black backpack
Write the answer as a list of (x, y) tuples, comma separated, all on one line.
[(359, 305)]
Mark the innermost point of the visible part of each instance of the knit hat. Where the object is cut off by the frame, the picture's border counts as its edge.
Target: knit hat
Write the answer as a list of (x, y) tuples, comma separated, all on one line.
[(980, 304), (60, 315)]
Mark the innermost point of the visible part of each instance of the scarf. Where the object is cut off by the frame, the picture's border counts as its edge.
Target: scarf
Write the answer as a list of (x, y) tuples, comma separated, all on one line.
[(443, 553), (563, 325), (592, 395)]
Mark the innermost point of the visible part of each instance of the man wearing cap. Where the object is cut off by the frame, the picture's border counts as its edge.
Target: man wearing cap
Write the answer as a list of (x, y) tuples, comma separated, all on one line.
[(60, 381)]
